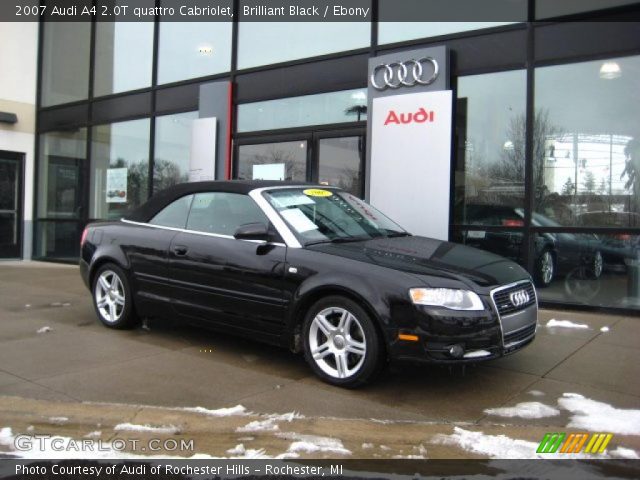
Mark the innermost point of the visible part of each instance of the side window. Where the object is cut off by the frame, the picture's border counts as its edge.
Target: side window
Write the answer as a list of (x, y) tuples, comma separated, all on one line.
[(223, 213), (173, 215)]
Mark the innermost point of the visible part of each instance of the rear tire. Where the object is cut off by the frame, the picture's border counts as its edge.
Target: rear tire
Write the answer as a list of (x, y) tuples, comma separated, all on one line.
[(112, 297), (341, 342)]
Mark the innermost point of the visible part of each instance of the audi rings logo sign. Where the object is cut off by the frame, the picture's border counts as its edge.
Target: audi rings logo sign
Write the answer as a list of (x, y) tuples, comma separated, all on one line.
[(404, 74), (519, 298)]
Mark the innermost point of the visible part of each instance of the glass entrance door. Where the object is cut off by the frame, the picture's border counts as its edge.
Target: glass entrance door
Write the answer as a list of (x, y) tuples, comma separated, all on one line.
[(10, 204)]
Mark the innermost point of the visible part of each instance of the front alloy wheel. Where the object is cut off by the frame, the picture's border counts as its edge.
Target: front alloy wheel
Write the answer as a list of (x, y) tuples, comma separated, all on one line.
[(341, 342), (112, 298)]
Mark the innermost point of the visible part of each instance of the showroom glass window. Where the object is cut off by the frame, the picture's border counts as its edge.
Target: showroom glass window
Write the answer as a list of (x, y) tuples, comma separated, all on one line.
[(123, 55), (586, 164), (587, 143), (490, 149), (277, 160), (193, 49), (320, 109), (260, 43), (61, 191), (172, 149), (63, 158), (65, 62), (120, 168)]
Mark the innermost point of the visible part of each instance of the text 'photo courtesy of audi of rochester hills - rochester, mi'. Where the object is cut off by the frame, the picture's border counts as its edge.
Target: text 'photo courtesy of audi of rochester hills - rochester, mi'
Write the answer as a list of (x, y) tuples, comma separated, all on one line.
[(311, 268)]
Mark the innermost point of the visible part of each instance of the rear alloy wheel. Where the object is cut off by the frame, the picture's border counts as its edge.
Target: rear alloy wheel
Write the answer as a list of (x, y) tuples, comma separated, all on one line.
[(112, 297), (597, 265), (545, 269), (341, 342)]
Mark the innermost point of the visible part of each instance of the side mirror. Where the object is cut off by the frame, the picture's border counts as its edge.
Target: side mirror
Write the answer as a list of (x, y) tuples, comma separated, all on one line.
[(252, 231)]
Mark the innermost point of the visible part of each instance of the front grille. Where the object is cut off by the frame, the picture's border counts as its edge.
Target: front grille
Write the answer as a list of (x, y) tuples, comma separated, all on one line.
[(503, 301), (520, 335)]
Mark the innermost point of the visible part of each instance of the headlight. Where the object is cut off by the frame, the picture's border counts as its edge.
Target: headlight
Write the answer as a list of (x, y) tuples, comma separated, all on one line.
[(446, 297)]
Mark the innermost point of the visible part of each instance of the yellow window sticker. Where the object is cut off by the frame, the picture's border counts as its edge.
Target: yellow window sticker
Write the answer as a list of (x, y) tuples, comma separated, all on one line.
[(317, 192)]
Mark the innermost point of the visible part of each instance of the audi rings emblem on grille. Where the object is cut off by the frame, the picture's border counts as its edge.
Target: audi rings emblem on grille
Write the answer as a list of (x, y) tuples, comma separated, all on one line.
[(408, 74), (519, 298)]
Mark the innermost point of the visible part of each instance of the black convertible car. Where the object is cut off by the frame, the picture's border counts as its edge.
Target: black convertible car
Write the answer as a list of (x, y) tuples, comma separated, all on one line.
[(312, 268)]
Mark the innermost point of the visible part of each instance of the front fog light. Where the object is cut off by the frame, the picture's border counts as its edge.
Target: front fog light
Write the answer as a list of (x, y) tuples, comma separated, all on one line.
[(447, 298)]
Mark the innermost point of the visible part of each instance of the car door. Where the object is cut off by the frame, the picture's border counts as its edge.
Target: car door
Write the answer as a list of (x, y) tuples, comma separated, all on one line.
[(146, 246), (219, 279)]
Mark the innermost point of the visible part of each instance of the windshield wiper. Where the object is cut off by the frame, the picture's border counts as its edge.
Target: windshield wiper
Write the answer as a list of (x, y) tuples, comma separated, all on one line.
[(339, 240), (398, 234)]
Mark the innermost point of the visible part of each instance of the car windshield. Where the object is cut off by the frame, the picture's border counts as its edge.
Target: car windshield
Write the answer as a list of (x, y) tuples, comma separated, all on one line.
[(321, 215)]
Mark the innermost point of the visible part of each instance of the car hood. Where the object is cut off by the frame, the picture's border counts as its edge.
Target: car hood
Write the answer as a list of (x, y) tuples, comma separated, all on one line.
[(431, 258)]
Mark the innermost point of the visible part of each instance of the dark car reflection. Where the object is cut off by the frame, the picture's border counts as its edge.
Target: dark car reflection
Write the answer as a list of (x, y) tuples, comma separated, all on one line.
[(617, 248), (556, 254)]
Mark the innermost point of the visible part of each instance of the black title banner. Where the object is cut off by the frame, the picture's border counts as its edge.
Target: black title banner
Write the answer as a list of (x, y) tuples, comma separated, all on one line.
[(263, 10), (239, 469)]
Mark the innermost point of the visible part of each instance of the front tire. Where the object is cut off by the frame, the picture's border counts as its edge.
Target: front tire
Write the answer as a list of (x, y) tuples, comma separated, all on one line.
[(341, 343), (112, 297)]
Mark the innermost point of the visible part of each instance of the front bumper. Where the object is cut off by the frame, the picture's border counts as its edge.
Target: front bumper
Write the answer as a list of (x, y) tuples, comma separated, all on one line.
[(481, 335)]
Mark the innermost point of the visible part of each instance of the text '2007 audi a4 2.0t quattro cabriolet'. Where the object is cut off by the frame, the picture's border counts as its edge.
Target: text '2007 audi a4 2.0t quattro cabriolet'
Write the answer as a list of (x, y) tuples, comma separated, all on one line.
[(312, 268)]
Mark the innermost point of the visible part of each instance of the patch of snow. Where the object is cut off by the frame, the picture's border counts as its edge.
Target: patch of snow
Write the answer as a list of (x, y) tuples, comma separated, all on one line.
[(237, 450), (270, 423), (599, 416), (6, 436), (131, 427), (493, 446), (525, 410), (28, 305), (622, 452), (367, 446), (536, 393), (408, 457), (247, 439), (421, 449), (553, 323), (220, 412), (314, 444), (94, 434), (30, 428), (385, 448), (604, 329), (58, 420), (44, 329), (477, 354)]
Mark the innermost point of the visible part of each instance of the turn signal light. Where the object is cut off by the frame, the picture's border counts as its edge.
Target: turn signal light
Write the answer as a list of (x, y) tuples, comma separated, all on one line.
[(84, 236), (408, 338)]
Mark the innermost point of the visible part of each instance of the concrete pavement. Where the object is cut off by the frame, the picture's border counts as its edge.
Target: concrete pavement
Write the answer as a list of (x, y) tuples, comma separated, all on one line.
[(171, 365)]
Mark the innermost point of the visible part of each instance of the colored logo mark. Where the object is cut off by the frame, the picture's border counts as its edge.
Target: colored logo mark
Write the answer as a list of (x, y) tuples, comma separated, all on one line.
[(560, 442)]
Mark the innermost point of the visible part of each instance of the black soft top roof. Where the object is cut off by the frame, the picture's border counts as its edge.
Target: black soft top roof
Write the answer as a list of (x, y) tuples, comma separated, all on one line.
[(148, 210)]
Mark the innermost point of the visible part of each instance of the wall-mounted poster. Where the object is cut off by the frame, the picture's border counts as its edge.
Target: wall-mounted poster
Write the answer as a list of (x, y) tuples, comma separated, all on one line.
[(271, 171), (116, 185)]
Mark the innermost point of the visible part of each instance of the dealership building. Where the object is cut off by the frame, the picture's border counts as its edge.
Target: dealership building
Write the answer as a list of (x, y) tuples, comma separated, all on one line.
[(536, 155)]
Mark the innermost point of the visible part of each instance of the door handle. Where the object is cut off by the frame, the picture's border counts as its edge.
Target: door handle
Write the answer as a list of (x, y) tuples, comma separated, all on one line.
[(180, 250)]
